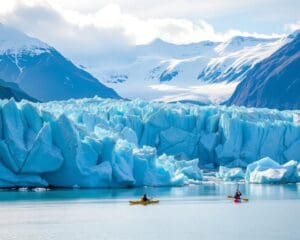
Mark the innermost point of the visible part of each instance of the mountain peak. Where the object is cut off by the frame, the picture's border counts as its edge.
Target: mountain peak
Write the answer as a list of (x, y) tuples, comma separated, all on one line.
[(249, 40), (14, 41), (237, 43), (42, 72), (273, 82), (158, 42)]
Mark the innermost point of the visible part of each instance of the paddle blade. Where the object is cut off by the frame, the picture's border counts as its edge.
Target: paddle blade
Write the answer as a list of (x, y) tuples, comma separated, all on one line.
[(244, 199)]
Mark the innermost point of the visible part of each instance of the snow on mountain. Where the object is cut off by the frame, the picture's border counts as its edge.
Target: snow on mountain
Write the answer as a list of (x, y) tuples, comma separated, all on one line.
[(15, 42), (274, 82), (239, 43), (42, 72), (112, 143), (169, 72)]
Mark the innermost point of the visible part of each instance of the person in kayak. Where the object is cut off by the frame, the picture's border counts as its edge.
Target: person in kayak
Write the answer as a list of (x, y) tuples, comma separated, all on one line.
[(238, 194), (145, 198)]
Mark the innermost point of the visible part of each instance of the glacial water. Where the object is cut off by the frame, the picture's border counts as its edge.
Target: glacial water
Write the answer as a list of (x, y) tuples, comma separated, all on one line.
[(193, 212)]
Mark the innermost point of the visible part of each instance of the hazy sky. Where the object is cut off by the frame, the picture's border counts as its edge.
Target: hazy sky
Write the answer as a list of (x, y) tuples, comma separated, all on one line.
[(94, 26)]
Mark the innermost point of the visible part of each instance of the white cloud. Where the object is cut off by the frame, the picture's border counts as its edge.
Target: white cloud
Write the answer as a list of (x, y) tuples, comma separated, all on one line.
[(6, 7), (108, 28), (293, 26)]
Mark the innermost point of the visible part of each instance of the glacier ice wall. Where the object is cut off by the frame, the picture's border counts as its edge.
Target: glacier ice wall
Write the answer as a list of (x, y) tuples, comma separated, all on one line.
[(38, 148), (228, 136), (109, 143)]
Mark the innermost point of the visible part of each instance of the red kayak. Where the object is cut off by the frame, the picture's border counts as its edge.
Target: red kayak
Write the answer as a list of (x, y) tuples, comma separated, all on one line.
[(237, 200)]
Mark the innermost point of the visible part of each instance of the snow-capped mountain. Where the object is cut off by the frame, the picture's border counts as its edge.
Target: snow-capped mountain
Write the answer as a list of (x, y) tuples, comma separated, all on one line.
[(42, 72), (11, 90), (206, 71), (274, 82)]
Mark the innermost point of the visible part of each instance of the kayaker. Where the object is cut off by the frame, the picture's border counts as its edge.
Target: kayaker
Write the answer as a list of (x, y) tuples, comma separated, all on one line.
[(145, 198), (238, 194)]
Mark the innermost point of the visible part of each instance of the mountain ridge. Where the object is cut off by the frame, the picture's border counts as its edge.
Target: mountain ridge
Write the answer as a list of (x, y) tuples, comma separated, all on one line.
[(165, 71), (274, 82), (44, 73), (11, 90)]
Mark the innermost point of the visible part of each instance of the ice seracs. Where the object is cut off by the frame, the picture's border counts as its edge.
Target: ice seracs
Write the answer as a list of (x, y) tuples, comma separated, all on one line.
[(115, 143), (39, 149), (218, 135)]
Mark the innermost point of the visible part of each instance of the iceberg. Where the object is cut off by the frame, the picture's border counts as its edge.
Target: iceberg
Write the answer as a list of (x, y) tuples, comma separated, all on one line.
[(230, 174), (115, 143), (266, 170)]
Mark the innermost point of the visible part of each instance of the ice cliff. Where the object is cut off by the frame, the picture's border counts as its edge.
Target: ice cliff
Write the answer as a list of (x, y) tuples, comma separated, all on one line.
[(110, 143), (38, 148), (228, 136)]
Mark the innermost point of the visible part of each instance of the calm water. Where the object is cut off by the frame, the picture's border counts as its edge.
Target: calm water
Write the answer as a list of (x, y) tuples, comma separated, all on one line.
[(194, 212)]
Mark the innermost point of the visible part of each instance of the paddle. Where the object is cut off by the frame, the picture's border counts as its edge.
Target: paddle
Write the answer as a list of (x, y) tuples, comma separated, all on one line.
[(244, 199)]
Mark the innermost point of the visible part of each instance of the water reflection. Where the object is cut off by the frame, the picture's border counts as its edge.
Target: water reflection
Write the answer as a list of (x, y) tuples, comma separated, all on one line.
[(204, 191)]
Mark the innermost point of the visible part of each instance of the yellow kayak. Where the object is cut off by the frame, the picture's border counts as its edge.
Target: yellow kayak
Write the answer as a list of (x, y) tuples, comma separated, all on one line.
[(135, 202)]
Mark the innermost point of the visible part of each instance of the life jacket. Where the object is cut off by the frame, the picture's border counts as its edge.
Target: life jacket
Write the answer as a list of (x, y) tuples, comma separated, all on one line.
[(238, 195)]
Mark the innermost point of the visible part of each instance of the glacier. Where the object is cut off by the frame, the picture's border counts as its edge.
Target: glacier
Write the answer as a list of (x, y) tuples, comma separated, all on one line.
[(218, 135), (39, 149), (168, 72), (116, 143)]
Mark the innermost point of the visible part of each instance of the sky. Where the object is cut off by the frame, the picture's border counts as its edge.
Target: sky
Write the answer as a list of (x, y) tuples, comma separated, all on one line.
[(92, 27)]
